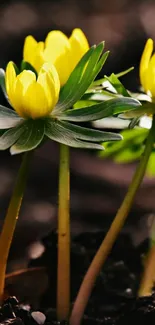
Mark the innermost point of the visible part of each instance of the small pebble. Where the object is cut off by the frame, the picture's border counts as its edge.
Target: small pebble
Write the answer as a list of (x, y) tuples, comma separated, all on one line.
[(38, 317), (128, 291)]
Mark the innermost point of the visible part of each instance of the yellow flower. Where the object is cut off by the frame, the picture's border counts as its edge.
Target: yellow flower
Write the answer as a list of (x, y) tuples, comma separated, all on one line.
[(29, 97), (147, 69), (57, 49)]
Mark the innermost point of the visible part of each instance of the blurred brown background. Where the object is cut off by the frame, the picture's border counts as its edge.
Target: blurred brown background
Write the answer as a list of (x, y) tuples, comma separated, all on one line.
[(123, 24), (97, 187)]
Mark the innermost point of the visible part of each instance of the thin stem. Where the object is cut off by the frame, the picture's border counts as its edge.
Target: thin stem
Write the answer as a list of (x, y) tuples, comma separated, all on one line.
[(63, 272), (148, 277), (116, 226), (11, 219)]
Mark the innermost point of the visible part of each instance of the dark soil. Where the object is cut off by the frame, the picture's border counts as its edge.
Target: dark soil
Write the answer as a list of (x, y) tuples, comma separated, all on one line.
[(113, 300)]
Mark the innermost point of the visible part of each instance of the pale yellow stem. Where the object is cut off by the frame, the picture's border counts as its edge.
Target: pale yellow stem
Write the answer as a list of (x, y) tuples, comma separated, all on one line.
[(148, 277), (11, 219), (63, 274)]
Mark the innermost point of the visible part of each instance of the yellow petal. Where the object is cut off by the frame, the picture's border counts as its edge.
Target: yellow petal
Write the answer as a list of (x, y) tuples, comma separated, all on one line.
[(79, 46), (62, 64), (35, 101), (29, 49), (144, 63), (39, 57), (58, 51), (26, 77), (18, 98), (49, 79), (10, 80), (56, 42), (38, 61), (64, 67), (23, 81), (150, 77), (44, 82), (33, 51)]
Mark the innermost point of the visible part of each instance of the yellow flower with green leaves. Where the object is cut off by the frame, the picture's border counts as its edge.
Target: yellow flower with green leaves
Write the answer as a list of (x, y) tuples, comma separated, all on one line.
[(147, 69), (57, 49), (41, 111), (31, 96)]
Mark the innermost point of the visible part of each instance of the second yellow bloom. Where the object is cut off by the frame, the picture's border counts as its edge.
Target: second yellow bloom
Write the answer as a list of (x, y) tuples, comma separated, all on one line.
[(57, 49), (147, 69)]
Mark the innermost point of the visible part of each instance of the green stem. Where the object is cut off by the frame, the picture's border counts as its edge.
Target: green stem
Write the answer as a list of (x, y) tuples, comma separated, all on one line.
[(11, 219), (116, 226), (63, 272)]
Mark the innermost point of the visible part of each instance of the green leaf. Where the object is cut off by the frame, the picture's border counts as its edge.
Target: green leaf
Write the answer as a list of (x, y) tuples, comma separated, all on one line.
[(17, 70), (115, 82), (118, 75), (141, 96), (84, 103), (8, 118), (123, 73), (55, 131), (132, 140), (101, 63), (2, 83), (81, 78), (129, 154), (150, 171), (111, 123), (70, 88), (83, 133), (30, 138), (145, 108), (9, 137), (134, 122), (27, 66), (101, 95), (98, 111)]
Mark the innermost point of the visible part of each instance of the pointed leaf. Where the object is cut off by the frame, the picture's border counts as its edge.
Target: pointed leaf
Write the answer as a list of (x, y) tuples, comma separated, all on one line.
[(129, 154), (151, 165), (111, 123), (3, 86), (84, 103), (9, 137), (8, 118), (117, 85), (98, 111), (87, 133), (81, 78), (2, 82), (132, 140), (16, 68), (134, 122), (146, 108), (141, 96), (101, 63), (70, 87), (55, 132), (31, 137), (27, 66), (118, 75), (123, 73), (101, 95)]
